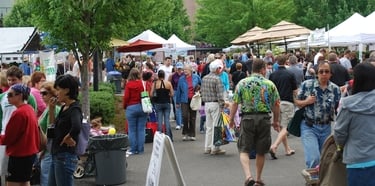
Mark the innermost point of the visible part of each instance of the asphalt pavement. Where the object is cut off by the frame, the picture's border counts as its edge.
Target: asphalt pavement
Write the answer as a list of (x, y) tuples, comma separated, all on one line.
[(200, 169)]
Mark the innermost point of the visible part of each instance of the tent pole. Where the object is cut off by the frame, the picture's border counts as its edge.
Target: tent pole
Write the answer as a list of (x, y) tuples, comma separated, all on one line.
[(286, 46)]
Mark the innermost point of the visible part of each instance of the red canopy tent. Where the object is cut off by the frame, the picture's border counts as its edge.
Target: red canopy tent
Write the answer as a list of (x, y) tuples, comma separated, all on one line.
[(139, 46)]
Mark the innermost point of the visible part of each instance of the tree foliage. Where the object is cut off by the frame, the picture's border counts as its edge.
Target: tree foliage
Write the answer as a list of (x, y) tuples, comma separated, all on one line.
[(219, 22), (87, 26), (19, 16), (176, 23), (329, 12)]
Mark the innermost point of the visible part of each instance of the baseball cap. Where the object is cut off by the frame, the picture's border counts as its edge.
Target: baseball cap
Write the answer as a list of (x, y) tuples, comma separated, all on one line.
[(179, 65), (215, 65)]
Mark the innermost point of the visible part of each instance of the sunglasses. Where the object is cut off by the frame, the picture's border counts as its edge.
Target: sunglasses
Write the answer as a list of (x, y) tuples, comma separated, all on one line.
[(11, 94), (324, 71), (44, 93)]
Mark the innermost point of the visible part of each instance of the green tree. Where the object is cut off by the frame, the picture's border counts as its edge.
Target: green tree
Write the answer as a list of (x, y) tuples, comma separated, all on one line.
[(141, 15), (323, 12), (219, 22), (176, 23), (19, 15), (87, 26)]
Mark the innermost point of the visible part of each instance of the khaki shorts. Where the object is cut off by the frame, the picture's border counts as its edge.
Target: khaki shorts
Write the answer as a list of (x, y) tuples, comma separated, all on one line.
[(255, 133), (286, 112)]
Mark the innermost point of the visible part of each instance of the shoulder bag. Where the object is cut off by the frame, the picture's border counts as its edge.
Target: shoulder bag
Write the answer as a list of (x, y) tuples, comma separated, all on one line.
[(196, 101), (294, 125), (145, 100)]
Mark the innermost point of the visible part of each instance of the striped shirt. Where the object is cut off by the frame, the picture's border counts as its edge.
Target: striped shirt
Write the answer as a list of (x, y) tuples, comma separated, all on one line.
[(212, 89)]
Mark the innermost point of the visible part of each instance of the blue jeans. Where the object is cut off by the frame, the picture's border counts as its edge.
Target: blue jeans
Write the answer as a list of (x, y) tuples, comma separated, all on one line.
[(62, 168), (163, 111), (45, 165), (361, 176), (137, 123), (178, 113), (312, 140)]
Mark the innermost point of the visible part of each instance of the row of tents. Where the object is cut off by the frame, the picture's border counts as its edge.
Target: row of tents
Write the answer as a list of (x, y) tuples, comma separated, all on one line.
[(21, 40), (356, 30)]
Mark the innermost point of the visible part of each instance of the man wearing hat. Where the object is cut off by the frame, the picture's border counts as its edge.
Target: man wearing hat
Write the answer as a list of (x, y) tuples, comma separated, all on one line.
[(212, 91), (174, 81)]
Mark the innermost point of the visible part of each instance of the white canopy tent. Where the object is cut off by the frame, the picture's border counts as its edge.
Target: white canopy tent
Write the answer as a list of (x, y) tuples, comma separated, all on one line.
[(179, 44), (148, 35), (15, 39), (348, 32)]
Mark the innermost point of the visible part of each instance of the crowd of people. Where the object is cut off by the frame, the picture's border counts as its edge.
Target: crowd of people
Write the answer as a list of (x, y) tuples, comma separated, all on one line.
[(258, 92), (29, 102), (266, 92)]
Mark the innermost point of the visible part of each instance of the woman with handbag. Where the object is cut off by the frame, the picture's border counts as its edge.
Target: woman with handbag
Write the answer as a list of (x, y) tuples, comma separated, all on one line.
[(162, 92), (134, 113), (187, 85), (65, 133)]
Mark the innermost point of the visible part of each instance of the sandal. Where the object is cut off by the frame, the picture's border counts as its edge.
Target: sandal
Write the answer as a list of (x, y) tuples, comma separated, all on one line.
[(273, 154), (291, 152), (259, 183), (249, 181)]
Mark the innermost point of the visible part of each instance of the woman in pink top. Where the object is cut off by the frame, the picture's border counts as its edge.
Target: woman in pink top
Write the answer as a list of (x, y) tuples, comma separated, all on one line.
[(37, 79)]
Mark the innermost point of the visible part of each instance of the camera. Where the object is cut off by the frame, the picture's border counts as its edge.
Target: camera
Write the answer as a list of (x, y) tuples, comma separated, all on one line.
[(51, 132)]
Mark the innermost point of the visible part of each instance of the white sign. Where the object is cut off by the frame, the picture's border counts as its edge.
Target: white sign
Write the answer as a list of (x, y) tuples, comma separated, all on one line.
[(48, 64), (161, 142)]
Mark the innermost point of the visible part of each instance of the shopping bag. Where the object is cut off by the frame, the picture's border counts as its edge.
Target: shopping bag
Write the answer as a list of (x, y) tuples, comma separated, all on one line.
[(146, 102), (294, 125), (83, 138), (219, 133), (196, 101), (230, 134)]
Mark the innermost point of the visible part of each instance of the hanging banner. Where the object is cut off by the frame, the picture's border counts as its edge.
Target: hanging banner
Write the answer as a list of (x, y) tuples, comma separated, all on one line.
[(317, 37), (48, 64)]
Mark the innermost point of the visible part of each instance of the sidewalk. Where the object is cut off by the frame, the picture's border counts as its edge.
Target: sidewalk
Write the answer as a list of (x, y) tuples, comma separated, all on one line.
[(200, 169)]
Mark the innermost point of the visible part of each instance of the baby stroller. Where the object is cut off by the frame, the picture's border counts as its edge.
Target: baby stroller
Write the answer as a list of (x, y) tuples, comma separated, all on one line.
[(86, 164)]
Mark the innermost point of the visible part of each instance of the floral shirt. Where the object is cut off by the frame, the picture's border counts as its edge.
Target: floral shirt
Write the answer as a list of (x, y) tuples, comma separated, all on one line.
[(326, 100), (256, 94)]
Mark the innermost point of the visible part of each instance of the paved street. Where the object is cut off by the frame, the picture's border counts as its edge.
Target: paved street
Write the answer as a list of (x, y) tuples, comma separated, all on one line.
[(200, 169)]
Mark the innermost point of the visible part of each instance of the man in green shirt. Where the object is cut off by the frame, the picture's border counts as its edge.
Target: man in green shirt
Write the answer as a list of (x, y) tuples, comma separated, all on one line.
[(258, 97)]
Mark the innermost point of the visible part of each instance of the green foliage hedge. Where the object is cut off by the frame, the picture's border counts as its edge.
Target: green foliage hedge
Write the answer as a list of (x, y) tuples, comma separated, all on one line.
[(102, 103)]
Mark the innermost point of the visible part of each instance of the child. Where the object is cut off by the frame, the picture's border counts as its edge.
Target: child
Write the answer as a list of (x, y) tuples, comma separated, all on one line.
[(96, 125)]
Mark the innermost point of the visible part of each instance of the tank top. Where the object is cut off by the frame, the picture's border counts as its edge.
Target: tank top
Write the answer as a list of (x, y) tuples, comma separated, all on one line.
[(163, 94)]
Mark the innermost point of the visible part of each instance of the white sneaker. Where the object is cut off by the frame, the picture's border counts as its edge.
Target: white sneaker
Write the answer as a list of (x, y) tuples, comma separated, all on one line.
[(192, 139), (184, 138), (178, 127)]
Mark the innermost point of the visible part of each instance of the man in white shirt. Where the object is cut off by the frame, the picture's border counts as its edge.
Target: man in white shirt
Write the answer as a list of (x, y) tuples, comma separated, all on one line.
[(321, 52), (167, 67), (344, 61), (75, 69)]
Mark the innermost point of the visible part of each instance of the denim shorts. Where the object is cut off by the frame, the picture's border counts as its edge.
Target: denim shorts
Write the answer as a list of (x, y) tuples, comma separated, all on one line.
[(255, 133)]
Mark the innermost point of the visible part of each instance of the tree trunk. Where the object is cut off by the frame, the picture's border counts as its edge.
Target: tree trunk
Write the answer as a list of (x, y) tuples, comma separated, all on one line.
[(85, 88)]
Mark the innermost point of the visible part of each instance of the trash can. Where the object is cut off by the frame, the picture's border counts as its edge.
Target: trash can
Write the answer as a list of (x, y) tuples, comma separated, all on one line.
[(116, 78), (110, 158)]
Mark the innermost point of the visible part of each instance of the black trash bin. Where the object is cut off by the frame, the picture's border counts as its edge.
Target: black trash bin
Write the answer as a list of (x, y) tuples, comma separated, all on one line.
[(115, 77), (110, 158)]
